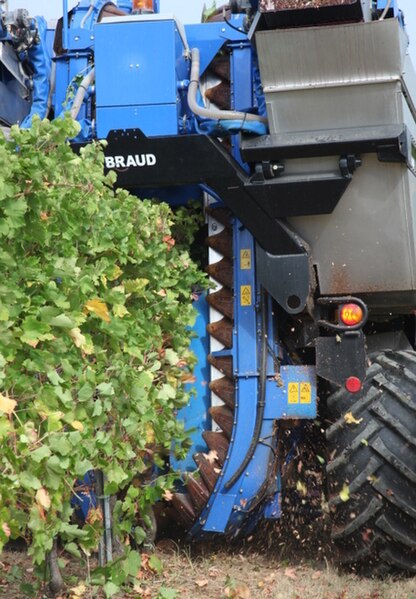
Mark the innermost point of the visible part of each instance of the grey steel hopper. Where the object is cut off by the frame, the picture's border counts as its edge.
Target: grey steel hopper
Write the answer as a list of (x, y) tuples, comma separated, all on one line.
[(349, 78)]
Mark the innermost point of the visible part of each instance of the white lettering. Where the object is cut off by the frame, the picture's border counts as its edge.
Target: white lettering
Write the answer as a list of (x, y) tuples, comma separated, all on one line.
[(130, 161), (119, 160), (138, 160)]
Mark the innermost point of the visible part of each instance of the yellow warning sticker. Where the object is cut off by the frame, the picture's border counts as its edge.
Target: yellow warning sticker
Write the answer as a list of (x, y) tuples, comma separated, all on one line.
[(305, 393), (245, 259), (245, 295), (293, 393)]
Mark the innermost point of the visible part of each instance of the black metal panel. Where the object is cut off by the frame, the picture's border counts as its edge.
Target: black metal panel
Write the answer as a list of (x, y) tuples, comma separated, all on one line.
[(192, 159), (285, 197), (340, 357), (390, 142), (350, 10)]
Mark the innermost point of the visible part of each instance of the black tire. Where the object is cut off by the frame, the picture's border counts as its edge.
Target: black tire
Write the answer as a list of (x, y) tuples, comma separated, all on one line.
[(373, 458)]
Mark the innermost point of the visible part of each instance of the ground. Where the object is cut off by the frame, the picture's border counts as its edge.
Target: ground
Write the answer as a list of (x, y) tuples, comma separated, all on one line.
[(288, 568)]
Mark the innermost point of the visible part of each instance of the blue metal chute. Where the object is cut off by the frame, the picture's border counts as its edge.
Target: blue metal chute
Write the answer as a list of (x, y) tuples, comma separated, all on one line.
[(40, 59)]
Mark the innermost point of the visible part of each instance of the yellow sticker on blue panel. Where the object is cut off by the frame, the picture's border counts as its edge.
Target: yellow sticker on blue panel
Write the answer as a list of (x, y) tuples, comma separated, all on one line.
[(305, 393), (245, 259), (245, 295), (293, 393)]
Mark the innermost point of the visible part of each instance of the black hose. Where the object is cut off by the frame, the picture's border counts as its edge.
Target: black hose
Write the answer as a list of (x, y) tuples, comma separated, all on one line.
[(261, 404)]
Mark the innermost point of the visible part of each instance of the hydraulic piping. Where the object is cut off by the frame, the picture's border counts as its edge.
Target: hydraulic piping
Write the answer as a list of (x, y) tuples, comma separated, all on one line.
[(385, 11), (213, 113), (81, 92)]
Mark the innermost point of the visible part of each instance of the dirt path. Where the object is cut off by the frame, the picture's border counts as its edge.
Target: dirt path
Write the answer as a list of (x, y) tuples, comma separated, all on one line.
[(292, 569)]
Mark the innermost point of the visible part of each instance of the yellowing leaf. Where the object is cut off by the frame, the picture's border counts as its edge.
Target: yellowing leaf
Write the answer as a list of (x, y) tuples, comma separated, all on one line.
[(94, 515), (239, 591), (99, 308), (6, 529), (350, 419), (120, 311), (32, 342), (77, 337), (136, 285), (345, 493), (42, 498), (77, 425), (167, 495), (77, 592), (117, 272), (150, 434), (7, 405)]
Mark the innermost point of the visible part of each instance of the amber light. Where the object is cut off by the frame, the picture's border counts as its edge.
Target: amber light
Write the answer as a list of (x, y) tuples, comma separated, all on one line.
[(146, 5), (351, 314)]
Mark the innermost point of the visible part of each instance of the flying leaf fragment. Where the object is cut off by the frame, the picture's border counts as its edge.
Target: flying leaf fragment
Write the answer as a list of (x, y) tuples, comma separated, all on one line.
[(201, 583), (211, 456), (42, 498), (167, 495), (350, 419), (99, 308), (188, 378), (345, 493), (301, 488), (7, 405)]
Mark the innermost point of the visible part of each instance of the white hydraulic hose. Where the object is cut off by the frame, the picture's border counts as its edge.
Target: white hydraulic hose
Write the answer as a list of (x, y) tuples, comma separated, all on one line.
[(213, 113), (81, 92), (385, 11), (87, 15)]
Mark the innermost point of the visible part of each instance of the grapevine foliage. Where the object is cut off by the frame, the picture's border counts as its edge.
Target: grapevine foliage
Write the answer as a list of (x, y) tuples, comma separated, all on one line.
[(95, 310)]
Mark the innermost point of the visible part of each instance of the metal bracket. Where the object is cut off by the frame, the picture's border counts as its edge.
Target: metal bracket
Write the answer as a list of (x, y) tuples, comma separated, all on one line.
[(286, 278)]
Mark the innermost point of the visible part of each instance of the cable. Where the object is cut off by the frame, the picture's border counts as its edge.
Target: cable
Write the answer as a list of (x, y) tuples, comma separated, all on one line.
[(261, 404), (224, 14)]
